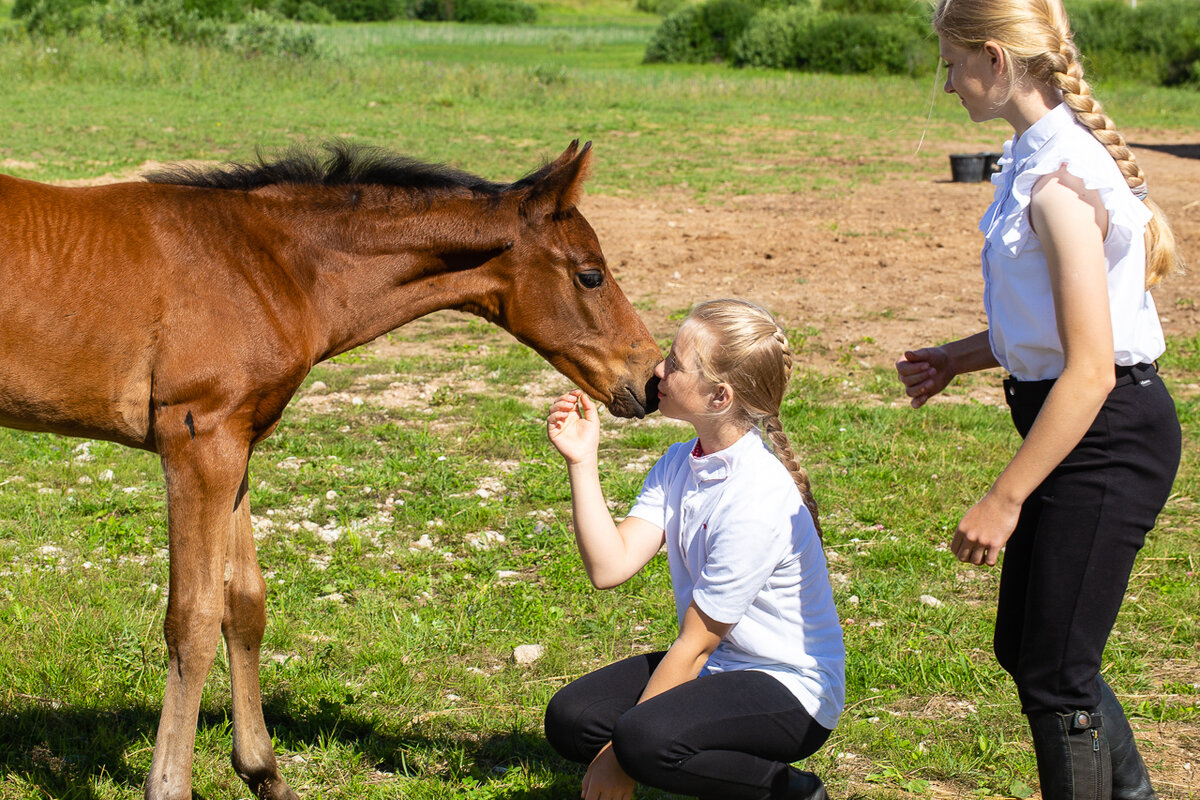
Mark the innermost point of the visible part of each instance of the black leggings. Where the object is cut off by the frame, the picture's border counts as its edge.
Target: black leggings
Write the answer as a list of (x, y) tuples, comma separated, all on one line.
[(731, 735), (1068, 562)]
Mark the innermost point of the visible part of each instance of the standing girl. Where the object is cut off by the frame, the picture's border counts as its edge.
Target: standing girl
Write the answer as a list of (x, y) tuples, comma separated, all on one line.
[(1071, 244), (755, 679)]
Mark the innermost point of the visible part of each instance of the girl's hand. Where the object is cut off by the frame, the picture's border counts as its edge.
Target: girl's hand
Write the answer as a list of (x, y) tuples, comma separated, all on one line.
[(924, 373), (605, 780), (576, 437), (984, 530)]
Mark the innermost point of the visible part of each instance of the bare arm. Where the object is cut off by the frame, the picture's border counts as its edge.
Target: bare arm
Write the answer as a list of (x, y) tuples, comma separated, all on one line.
[(1070, 222), (611, 553), (698, 638)]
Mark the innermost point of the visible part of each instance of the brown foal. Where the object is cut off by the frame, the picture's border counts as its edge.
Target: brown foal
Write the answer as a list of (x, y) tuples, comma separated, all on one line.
[(180, 315)]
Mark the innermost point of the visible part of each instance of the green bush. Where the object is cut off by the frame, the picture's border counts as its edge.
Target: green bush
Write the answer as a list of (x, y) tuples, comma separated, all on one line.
[(866, 43), (497, 12), (796, 38), (312, 13), (680, 37), (916, 8), (52, 19), (263, 35), (773, 38), (699, 33), (660, 7), (1156, 42), (133, 22), (365, 10), (229, 10)]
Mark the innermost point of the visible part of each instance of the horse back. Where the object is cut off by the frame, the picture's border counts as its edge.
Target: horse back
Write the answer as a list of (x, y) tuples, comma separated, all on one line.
[(117, 298)]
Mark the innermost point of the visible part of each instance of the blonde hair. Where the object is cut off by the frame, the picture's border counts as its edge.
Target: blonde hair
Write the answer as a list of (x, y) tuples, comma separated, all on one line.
[(739, 343), (1036, 35)]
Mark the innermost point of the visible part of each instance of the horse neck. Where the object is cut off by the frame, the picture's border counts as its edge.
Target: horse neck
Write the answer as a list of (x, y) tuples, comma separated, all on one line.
[(382, 264)]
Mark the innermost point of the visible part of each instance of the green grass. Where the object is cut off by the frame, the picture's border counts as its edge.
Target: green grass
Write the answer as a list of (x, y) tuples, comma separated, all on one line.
[(387, 668), (496, 101)]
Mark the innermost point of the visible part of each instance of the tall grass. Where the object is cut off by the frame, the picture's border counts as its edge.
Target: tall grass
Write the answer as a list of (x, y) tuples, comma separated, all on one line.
[(494, 101)]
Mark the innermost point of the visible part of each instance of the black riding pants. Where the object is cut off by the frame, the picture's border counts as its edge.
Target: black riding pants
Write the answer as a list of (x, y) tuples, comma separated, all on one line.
[(731, 735), (1067, 565)]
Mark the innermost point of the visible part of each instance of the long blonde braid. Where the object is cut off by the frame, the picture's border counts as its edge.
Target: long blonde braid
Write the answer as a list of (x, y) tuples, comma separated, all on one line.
[(1037, 35), (740, 343)]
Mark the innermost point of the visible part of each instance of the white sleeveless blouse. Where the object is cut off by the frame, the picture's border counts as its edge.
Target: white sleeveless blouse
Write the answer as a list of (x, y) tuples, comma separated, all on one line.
[(1017, 296)]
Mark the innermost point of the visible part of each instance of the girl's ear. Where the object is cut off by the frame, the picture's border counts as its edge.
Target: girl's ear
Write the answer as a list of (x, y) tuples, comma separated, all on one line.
[(721, 398), (997, 57)]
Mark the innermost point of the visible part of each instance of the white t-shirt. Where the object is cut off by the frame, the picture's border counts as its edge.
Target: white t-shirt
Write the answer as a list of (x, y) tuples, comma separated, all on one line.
[(1017, 296), (742, 545)]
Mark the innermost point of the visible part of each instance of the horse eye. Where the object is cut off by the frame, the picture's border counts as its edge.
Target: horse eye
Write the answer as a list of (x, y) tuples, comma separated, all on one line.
[(591, 279)]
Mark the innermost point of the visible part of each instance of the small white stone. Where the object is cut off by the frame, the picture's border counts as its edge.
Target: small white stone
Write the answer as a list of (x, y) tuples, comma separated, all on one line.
[(931, 601), (528, 653)]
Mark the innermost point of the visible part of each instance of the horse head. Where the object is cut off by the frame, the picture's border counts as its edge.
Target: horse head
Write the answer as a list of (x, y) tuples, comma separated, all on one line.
[(560, 297)]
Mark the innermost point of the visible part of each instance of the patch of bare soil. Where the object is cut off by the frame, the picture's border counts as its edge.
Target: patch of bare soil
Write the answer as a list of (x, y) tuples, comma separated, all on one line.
[(885, 268)]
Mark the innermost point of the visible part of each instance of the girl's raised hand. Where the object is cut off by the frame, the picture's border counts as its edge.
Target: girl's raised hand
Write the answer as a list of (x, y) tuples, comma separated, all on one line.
[(574, 427)]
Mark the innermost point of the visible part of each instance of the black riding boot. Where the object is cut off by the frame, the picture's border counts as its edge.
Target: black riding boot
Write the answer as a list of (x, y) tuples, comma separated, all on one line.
[(800, 786), (1072, 756), (1130, 779)]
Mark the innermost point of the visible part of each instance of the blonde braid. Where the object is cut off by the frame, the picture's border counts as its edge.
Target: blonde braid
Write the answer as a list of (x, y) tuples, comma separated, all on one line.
[(1077, 94), (772, 426), (1162, 257)]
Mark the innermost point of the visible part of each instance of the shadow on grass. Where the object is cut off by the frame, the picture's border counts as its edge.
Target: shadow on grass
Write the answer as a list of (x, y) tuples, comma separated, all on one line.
[(64, 752)]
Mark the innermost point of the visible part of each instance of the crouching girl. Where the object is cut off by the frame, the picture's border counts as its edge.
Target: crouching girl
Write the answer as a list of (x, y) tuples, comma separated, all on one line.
[(755, 679)]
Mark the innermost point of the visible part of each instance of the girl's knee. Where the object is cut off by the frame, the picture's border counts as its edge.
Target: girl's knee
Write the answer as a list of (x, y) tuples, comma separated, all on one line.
[(561, 726), (643, 751)]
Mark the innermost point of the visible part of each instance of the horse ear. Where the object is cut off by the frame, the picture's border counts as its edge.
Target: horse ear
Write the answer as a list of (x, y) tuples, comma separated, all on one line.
[(561, 185)]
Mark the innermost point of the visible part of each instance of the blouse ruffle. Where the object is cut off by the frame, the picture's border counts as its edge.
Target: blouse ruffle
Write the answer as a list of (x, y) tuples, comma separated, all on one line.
[(1127, 215)]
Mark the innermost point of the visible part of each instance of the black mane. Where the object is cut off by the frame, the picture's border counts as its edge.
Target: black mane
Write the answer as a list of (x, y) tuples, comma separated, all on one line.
[(340, 164)]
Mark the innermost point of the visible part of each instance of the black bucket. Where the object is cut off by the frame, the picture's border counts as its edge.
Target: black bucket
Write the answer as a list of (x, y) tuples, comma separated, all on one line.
[(968, 167)]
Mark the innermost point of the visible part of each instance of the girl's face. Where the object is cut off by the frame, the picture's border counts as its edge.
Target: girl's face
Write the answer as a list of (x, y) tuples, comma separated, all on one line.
[(972, 75), (683, 392)]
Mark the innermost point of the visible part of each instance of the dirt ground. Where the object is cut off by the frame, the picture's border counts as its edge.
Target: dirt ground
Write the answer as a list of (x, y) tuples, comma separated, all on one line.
[(886, 268)]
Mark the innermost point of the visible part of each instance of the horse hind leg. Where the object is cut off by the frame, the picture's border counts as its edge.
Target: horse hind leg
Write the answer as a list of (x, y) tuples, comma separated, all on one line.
[(243, 625)]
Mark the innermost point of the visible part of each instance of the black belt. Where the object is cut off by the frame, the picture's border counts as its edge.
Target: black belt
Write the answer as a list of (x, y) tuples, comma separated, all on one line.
[(1134, 373)]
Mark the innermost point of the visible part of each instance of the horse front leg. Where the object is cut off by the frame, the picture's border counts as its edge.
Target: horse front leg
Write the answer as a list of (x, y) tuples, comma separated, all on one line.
[(203, 474), (243, 625)]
